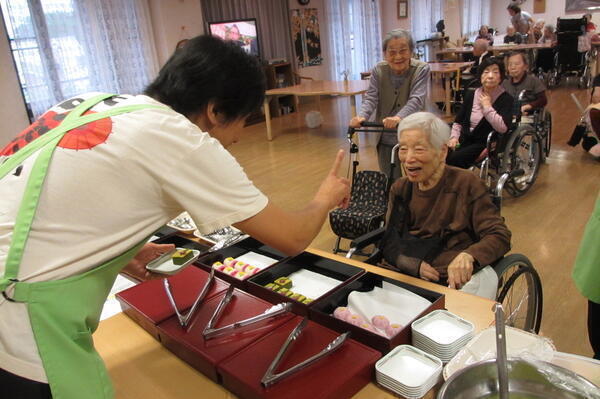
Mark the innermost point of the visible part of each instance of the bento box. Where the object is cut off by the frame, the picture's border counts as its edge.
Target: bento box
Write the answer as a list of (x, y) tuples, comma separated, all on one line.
[(147, 303), (340, 374), (310, 276), (245, 253), (359, 304), (205, 354)]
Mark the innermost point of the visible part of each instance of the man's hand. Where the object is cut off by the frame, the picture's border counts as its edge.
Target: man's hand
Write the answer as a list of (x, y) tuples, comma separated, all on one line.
[(136, 267), (335, 190), (428, 273), (356, 121), (485, 100), (460, 270), (391, 122), (452, 142)]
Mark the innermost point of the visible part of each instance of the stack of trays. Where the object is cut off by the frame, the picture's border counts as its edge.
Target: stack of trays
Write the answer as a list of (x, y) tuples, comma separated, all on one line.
[(408, 371), (441, 334)]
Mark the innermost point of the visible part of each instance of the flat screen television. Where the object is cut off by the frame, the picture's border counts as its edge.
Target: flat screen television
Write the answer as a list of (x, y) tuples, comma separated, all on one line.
[(241, 31)]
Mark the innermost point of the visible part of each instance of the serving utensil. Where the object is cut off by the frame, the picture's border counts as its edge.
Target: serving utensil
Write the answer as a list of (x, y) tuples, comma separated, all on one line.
[(184, 318)]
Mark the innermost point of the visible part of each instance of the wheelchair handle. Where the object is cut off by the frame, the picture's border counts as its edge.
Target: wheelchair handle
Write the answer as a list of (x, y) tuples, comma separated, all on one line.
[(366, 126)]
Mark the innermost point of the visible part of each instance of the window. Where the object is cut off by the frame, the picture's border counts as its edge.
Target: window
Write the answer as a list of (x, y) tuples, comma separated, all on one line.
[(474, 14), (66, 47)]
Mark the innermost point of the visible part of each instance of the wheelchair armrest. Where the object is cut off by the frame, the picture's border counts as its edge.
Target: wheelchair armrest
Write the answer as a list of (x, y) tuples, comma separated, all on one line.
[(366, 239)]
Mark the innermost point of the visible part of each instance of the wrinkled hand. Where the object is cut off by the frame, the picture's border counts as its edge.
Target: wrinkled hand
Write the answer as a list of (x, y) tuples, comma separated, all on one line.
[(335, 190), (356, 121), (391, 122), (485, 100), (460, 270), (427, 272), (452, 142), (136, 267)]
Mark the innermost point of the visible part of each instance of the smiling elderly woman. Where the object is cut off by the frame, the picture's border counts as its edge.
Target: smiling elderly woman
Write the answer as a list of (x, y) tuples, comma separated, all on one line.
[(442, 224)]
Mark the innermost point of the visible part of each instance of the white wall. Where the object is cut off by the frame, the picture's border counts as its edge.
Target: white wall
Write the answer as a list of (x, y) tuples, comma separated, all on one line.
[(172, 21), (389, 17), (12, 112), (554, 9)]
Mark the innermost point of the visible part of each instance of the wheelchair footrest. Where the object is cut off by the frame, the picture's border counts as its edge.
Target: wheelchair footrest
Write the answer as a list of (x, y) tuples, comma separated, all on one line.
[(517, 173)]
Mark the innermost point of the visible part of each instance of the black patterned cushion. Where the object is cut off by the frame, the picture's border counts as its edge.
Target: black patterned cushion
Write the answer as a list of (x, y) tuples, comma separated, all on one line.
[(367, 208)]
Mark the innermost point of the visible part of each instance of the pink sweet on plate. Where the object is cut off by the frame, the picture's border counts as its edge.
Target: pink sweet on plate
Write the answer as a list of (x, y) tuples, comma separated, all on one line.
[(380, 322), (341, 312), (393, 329)]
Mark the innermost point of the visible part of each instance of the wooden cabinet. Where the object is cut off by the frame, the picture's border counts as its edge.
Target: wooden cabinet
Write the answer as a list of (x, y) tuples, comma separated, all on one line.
[(281, 75)]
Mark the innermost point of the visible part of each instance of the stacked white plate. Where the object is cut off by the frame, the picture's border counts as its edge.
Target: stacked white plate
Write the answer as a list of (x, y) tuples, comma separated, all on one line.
[(408, 371), (441, 334)]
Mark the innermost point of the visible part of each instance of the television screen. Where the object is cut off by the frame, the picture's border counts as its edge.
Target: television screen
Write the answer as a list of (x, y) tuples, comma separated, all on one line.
[(242, 32)]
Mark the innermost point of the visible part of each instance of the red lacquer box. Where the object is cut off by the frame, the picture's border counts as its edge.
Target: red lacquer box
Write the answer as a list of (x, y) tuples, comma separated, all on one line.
[(339, 375), (322, 312), (204, 355), (147, 303), (325, 267), (234, 251)]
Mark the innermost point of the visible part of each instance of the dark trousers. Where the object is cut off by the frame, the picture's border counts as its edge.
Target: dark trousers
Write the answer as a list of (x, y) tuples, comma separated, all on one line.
[(384, 158), (594, 327), (13, 386), (465, 155)]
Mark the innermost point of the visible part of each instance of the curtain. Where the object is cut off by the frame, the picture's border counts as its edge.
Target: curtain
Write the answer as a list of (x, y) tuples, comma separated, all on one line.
[(354, 37), (424, 15), (66, 47), (474, 14), (272, 19)]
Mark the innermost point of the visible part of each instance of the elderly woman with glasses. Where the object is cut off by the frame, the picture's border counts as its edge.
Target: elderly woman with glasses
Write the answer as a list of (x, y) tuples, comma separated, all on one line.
[(397, 88), (442, 224)]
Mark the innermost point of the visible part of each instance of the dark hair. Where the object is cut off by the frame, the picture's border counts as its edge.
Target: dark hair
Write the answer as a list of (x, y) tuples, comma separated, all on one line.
[(514, 7), (524, 56), (208, 69), (489, 61)]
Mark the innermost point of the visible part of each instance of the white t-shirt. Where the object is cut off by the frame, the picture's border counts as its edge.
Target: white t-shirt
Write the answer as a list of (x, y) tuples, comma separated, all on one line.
[(107, 190)]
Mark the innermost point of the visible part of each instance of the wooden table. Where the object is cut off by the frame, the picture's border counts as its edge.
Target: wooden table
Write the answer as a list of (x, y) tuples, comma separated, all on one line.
[(140, 367), (449, 68), (495, 49), (316, 88)]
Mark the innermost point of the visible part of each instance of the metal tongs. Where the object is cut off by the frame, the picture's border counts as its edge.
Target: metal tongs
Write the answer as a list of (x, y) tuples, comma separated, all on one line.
[(271, 378), (211, 332), (501, 358), (184, 319)]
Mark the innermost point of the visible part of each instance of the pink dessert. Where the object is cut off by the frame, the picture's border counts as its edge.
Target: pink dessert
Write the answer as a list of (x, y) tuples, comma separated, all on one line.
[(380, 322), (355, 319), (341, 312), (230, 262), (393, 329), (368, 326), (239, 265)]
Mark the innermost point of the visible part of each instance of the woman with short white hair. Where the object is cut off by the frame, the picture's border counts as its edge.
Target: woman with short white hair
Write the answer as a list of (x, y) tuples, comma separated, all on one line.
[(442, 224)]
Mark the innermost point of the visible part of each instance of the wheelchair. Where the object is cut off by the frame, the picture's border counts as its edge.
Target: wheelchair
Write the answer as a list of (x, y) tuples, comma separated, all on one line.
[(369, 195), (512, 160), (568, 61), (519, 286)]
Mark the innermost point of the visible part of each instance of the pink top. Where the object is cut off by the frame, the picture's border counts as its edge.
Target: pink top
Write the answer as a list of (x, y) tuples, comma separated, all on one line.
[(478, 112)]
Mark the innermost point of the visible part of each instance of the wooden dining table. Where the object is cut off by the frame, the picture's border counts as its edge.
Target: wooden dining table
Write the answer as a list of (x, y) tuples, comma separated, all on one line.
[(349, 88), (140, 367), (496, 49), (450, 69)]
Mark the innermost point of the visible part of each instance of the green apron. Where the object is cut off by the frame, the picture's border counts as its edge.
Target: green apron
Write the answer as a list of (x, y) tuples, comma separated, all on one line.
[(586, 272), (63, 313)]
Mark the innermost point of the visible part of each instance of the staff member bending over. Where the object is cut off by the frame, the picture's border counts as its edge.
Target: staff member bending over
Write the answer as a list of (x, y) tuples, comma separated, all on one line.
[(397, 88), (85, 186)]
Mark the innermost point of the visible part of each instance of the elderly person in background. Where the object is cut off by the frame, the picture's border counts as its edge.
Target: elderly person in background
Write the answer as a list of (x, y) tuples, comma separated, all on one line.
[(484, 33), (442, 224), (486, 109), (519, 79), (538, 30), (397, 88), (521, 20), (512, 36), (548, 36)]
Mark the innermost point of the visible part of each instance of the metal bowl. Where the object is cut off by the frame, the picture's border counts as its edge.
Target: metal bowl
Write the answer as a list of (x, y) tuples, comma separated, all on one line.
[(526, 380)]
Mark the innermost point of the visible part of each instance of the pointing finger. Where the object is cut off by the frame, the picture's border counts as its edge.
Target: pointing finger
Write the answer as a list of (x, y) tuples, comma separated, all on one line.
[(338, 161)]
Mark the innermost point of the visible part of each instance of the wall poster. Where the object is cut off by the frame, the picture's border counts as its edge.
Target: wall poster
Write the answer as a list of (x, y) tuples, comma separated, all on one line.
[(306, 37)]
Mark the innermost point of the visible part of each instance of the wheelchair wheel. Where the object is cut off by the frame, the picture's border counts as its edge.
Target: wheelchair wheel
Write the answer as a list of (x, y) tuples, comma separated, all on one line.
[(520, 292), (522, 159)]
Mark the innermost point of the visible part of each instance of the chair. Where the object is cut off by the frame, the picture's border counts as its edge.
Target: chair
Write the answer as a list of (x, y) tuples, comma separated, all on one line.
[(568, 60), (519, 285)]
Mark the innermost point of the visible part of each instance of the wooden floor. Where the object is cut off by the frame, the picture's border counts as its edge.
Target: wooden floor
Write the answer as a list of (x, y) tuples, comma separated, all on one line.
[(547, 223)]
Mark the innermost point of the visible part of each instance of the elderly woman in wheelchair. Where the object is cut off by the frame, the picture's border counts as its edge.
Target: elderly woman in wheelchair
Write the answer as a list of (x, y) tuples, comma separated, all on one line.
[(443, 227)]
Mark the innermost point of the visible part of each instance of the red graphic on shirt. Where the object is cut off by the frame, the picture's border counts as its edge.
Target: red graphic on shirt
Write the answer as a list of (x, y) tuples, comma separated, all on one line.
[(84, 137)]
